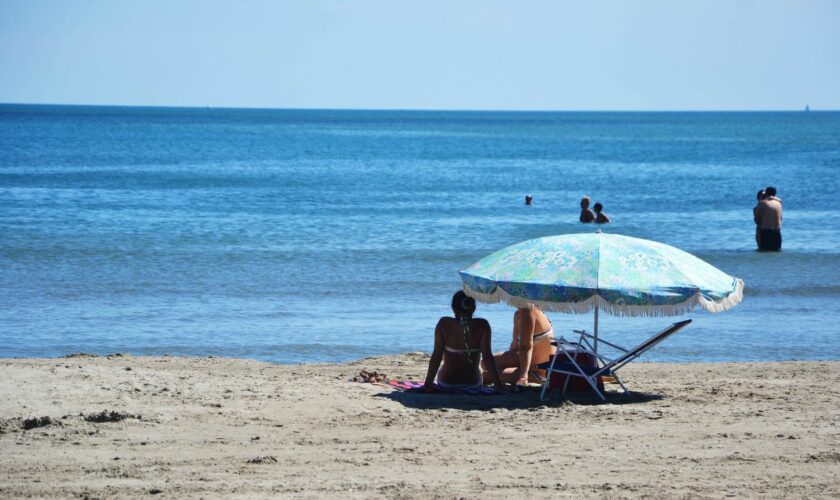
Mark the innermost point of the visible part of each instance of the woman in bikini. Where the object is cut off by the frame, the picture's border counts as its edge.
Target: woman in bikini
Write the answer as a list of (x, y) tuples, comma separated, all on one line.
[(531, 345), (460, 342)]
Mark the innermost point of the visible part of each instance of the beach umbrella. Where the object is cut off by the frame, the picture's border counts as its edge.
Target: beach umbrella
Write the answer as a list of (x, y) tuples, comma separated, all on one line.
[(622, 275)]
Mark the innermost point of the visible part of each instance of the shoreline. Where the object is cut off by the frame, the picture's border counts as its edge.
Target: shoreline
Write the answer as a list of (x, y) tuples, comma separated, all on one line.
[(127, 426), (374, 357)]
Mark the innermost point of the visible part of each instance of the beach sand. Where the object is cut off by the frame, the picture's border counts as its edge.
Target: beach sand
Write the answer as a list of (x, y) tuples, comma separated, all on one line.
[(175, 426)]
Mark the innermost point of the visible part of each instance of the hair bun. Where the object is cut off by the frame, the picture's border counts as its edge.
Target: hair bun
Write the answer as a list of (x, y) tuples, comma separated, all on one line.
[(462, 302)]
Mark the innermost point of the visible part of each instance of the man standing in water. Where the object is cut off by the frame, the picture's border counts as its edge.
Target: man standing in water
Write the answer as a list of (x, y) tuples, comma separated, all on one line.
[(768, 216)]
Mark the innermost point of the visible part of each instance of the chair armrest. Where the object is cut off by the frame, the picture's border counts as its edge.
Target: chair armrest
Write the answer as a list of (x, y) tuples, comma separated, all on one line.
[(577, 371)]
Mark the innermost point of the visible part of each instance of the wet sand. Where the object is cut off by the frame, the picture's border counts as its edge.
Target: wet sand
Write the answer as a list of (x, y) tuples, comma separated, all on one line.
[(125, 426)]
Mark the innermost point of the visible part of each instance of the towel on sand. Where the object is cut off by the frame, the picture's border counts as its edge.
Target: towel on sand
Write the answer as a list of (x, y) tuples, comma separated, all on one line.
[(412, 386)]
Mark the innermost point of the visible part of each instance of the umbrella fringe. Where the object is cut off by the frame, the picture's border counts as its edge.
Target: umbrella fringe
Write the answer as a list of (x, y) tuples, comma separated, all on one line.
[(728, 302), (502, 296), (499, 295), (651, 310)]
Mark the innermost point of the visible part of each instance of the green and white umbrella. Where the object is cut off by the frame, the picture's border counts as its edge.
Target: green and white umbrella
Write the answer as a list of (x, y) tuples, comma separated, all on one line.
[(625, 276)]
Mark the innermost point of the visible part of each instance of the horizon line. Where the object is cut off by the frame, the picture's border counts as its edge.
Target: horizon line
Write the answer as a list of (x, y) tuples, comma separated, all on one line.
[(807, 108)]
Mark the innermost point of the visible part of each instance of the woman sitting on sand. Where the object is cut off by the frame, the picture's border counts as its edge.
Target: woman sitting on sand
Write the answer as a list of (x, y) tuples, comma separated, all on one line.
[(531, 345), (459, 343)]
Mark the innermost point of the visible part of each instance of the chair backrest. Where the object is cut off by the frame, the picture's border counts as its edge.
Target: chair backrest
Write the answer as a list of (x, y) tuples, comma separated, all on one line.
[(644, 346)]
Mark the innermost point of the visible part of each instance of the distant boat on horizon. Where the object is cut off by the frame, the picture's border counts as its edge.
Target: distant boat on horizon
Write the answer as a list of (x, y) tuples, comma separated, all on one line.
[(807, 108)]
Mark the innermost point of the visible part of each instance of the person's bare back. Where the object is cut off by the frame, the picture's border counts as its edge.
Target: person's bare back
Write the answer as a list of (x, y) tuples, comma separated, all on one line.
[(461, 343), (768, 217), (600, 216), (769, 213), (530, 346)]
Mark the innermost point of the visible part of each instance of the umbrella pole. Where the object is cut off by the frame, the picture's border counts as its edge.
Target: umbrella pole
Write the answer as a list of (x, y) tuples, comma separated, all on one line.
[(596, 326)]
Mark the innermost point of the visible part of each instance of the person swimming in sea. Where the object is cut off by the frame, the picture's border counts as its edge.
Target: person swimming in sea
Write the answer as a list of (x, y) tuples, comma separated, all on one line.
[(586, 215), (600, 216)]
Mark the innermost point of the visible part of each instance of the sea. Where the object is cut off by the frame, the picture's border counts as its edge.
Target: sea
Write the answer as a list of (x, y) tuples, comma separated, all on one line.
[(299, 236)]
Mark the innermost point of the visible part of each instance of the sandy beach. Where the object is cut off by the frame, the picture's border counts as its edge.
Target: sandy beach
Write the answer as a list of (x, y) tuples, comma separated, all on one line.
[(125, 426)]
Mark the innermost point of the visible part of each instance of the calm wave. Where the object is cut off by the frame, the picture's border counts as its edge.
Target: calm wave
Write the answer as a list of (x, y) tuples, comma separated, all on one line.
[(297, 236)]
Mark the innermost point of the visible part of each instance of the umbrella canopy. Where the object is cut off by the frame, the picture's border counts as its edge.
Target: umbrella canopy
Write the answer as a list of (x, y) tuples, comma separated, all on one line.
[(576, 273)]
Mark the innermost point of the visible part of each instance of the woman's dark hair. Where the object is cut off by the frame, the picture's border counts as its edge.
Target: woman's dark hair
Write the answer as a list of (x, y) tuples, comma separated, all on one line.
[(770, 190), (598, 207), (463, 306), (462, 303), (760, 195)]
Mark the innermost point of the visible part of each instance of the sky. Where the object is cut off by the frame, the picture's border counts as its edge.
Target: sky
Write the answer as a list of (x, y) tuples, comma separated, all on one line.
[(431, 54)]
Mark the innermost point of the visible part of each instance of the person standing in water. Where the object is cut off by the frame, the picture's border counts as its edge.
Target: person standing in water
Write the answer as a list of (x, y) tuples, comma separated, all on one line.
[(586, 215), (769, 220), (758, 197), (600, 216)]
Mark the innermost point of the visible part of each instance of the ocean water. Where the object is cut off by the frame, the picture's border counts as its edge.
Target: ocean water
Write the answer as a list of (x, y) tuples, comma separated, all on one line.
[(306, 235)]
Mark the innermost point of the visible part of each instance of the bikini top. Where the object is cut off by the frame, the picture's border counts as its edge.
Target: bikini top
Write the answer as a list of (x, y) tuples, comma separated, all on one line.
[(545, 334), (464, 323), (539, 336), (462, 351)]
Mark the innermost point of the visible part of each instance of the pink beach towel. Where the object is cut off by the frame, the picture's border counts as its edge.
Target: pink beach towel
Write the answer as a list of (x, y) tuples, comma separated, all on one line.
[(412, 386)]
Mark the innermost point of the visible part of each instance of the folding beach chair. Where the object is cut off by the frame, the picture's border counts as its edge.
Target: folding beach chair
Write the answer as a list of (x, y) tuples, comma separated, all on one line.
[(564, 360)]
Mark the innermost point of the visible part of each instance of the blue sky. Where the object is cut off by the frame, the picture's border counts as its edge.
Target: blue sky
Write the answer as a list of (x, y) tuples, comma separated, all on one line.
[(489, 54)]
